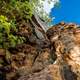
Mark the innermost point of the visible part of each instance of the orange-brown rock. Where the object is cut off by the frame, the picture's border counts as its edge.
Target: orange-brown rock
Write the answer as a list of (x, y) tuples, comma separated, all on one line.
[(34, 59), (67, 49), (2, 52)]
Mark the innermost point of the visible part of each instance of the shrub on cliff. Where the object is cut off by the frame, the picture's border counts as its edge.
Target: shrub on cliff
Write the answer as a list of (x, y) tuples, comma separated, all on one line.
[(7, 38)]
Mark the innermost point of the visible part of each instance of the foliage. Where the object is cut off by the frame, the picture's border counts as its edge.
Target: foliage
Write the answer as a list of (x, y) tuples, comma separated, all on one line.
[(39, 8), (13, 8), (7, 39), (24, 8), (9, 11)]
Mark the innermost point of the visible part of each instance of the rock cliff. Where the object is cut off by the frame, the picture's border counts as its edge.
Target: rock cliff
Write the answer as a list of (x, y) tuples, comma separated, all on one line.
[(51, 55)]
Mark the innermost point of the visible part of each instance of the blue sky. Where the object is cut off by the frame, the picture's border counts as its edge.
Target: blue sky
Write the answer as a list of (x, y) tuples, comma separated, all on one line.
[(69, 11)]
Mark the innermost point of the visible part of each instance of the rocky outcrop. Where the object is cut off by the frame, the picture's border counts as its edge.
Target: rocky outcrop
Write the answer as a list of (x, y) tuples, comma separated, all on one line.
[(65, 38), (65, 42), (54, 55)]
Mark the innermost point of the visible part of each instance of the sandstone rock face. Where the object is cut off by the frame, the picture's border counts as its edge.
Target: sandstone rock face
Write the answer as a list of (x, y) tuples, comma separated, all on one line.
[(65, 44), (54, 55), (65, 38)]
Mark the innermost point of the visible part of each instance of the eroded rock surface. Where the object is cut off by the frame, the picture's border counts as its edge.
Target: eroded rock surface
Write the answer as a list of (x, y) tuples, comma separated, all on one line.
[(30, 57), (54, 55), (65, 38), (65, 43)]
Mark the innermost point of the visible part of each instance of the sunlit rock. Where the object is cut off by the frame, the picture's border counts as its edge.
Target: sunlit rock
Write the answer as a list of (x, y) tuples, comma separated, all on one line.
[(67, 49)]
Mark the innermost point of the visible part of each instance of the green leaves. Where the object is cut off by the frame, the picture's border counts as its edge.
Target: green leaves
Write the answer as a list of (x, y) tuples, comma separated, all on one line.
[(12, 8), (4, 24), (7, 38), (25, 9), (3, 18), (14, 40)]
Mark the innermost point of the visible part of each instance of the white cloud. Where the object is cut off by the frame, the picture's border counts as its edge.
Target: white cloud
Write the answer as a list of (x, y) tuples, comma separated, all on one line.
[(47, 7)]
